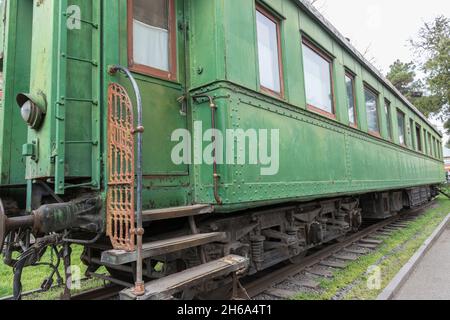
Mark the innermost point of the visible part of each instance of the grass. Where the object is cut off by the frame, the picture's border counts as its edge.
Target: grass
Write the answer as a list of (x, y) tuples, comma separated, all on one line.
[(390, 257), (350, 283), (33, 277)]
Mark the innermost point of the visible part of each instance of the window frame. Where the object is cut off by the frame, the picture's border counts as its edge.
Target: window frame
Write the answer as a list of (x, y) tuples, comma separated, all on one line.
[(170, 75), (388, 114), (269, 15), (412, 124), (430, 145), (419, 143), (405, 135), (352, 76), (330, 59), (377, 96)]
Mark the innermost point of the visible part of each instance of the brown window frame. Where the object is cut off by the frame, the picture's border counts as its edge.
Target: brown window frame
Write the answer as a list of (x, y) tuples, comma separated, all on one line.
[(352, 76), (412, 135), (170, 75), (405, 133), (388, 106), (330, 59), (377, 94), (277, 22), (419, 144)]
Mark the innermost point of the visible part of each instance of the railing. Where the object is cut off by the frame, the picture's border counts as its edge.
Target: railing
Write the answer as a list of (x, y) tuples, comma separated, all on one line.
[(139, 131)]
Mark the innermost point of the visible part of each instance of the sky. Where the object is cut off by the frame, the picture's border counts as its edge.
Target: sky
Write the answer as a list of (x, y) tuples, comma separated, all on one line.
[(381, 29)]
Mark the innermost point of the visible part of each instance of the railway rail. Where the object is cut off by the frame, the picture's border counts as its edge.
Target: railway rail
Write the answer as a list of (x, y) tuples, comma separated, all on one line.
[(334, 256), (366, 240), (108, 292)]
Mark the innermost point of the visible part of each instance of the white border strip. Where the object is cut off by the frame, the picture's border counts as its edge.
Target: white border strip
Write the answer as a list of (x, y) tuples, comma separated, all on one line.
[(399, 280)]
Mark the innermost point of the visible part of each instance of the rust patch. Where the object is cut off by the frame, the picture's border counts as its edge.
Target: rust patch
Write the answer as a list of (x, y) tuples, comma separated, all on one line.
[(120, 199)]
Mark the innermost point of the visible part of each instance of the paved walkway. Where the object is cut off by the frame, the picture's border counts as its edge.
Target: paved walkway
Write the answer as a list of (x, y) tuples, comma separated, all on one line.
[(431, 279)]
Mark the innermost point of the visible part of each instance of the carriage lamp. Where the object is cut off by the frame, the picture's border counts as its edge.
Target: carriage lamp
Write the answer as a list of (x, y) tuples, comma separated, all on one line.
[(32, 108)]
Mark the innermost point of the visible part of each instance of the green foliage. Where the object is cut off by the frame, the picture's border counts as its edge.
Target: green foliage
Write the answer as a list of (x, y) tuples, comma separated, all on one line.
[(432, 48)]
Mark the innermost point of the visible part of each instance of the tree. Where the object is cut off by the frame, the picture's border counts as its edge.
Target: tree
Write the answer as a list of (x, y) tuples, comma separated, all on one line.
[(430, 94), (432, 48), (403, 77)]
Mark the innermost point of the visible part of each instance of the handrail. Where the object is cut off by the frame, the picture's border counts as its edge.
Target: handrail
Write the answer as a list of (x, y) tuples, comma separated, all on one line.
[(139, 289)]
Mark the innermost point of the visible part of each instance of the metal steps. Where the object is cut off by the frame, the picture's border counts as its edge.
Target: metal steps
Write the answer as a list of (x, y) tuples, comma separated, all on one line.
[(166, 287), (177, 212), (157, 248)]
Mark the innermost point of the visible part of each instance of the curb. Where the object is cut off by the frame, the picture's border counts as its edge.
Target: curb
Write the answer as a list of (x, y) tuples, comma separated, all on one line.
[(399, 280)]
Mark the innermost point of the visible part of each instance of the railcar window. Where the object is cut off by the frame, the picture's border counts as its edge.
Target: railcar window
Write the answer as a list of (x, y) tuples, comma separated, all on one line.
[(434, 148), (152, 37), (430, 146), (387, 110), (269, 51), (425, 139), (318, 79), (401, 128), (411, 133), (372, 111), (419, 138), (351, 99)]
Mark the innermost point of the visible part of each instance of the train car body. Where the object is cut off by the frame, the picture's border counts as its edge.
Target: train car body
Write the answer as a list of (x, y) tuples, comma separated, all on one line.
[(199, 66)]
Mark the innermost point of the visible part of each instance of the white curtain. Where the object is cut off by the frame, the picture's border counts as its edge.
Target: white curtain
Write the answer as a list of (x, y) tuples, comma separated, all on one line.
[(150, 46)]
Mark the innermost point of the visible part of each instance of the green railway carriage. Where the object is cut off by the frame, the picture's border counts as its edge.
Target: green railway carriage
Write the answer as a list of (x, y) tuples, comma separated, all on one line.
[(341, 142)]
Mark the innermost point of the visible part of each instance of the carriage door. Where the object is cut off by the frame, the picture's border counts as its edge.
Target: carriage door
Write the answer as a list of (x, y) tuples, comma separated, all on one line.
[(156, 56)]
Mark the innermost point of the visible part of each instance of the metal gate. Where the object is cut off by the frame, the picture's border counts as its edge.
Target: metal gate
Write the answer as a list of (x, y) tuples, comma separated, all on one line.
[(120, 198)]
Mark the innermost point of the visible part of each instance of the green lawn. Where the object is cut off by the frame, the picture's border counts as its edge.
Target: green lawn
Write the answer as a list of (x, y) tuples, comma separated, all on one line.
[(33, 277)]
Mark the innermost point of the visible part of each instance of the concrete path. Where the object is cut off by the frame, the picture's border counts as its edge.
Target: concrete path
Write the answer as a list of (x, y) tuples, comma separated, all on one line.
[(431, 279)]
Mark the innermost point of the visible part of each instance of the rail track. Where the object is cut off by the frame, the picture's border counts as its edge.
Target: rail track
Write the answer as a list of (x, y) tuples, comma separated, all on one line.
[(332, 257), (108, 292)]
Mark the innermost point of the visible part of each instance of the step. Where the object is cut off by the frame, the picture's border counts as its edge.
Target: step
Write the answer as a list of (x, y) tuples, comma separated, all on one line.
[(170, 285), (176, 212), (161, 247)]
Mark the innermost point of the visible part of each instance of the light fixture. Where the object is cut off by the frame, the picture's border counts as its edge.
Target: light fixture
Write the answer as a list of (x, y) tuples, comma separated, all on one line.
[(32, 108)]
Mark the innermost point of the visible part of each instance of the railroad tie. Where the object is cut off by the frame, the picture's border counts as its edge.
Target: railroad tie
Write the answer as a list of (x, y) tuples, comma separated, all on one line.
[(345, 257), (371, 241), (333, 264), (367, 245), (320, 272), (281, 293), (309, 284), (359, 251)]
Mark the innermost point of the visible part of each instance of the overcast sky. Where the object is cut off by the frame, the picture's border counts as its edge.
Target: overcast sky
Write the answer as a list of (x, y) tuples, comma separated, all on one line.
[(382, 28)]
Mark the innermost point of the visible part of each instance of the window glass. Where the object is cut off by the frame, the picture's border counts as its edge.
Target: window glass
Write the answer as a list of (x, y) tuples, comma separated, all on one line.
[(401, 127), (319, 93), (372, 111), (350, 84), (430, 148), (387, 110), (151, 33), (425, 135), (268, 53), (418, 138), (411, 132)]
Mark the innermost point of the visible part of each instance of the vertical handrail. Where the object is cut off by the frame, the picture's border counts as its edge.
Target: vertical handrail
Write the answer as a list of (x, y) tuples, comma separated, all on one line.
[(139, 289), (60, 179)]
